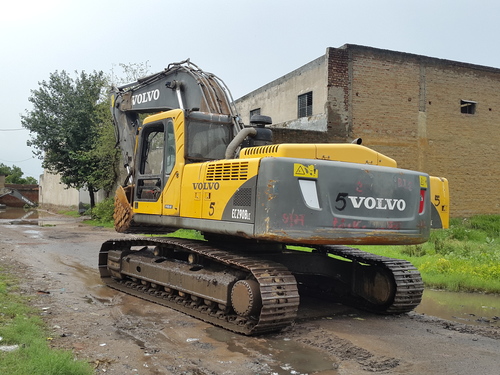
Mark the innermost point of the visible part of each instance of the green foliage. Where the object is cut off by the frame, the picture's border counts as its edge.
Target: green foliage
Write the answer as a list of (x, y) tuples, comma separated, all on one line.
[(19, 325), (103, 211), (489, 224), (104, 152), (15, 175), (465, 257), (65, 127), (187, 233), (413, 250)]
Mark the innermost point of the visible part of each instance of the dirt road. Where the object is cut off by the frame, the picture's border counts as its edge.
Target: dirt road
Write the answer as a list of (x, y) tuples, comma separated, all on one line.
[(121, 335)]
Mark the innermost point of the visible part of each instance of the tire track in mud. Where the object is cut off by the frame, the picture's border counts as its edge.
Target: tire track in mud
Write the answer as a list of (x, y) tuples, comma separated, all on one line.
[(489, 332), (342, 349)]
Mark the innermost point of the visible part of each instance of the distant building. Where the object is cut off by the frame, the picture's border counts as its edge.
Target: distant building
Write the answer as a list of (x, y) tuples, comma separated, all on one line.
[(438, 116), (54, 195), (17, 195)]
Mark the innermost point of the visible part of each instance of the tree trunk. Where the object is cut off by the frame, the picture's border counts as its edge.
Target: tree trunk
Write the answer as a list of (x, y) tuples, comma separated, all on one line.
[(92, 197)]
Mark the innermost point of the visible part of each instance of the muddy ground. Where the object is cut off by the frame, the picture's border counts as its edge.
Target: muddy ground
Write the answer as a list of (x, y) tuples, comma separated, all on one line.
[(120, 334)]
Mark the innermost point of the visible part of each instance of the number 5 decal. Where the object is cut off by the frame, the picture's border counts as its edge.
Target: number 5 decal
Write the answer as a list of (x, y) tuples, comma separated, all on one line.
[(211, 209), (437, 199), (341, 199)]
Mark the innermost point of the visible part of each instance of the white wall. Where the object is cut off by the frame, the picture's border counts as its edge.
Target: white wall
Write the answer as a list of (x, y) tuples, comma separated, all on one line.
[(278, 98), (53, 193)]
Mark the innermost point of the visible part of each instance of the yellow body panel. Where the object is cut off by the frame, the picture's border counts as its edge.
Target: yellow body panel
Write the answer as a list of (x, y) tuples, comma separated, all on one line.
[(441, 198), (350, 153), (172, 192), (207, 187), (170, 200), (353, 154), (148, 207)]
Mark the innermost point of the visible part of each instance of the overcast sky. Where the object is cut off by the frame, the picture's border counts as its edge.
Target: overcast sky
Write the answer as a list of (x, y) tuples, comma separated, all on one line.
[(246, 43)]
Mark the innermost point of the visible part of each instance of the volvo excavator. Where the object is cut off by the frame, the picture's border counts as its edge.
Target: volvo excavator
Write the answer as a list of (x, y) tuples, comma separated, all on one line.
[(276, 219)]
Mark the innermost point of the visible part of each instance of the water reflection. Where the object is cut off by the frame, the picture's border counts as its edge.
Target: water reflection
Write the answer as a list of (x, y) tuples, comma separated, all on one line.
[(285, 356), (13, 215), (468, 308), (21, 216)]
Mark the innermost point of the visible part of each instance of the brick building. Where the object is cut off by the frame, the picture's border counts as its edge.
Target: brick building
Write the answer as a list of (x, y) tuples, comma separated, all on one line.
[(438, 116), (15, 195)]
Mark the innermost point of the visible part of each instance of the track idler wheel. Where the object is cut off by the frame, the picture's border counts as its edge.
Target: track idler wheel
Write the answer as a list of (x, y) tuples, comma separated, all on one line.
[(377, 287), (245, 297)]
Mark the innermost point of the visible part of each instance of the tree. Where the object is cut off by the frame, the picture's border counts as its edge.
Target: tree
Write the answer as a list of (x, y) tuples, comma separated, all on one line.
[(130, 72), (15, 175), (64, 126), (104, 177)]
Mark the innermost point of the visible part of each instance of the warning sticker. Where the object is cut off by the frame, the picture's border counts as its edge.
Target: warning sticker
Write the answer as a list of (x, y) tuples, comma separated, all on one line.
[(300, 170), (423, 182)]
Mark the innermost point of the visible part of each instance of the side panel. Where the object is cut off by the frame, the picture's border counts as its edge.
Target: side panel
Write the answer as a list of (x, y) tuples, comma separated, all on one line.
[(440, 197), (191, 193), (316, 201), (171, 196), (209, 189)]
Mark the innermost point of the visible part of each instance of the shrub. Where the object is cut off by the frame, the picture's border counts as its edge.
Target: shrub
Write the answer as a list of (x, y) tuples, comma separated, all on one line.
[(413, 250), (103, 211), (490, 224)]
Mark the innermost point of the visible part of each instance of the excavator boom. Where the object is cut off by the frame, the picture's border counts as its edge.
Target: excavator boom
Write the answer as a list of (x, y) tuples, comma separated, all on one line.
[(180, 86)]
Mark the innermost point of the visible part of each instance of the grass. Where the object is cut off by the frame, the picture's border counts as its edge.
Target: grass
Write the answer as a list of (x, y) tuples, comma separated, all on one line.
[(465, 257), (73, 213), (20, 325)]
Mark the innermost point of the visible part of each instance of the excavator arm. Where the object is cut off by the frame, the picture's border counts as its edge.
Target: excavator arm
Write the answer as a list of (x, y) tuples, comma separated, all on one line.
[(180, 86)]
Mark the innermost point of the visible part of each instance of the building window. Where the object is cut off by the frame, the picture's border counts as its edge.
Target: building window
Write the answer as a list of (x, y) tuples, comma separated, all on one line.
[(254, 112), (468, 107), (305, 104)]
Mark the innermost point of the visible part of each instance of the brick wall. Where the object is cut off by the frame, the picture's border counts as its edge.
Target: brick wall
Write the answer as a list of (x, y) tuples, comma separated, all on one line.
[(337, 104), (29, 191), (408, 107)]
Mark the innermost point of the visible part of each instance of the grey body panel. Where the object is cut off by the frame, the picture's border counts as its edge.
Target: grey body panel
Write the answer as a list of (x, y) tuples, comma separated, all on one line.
[(328, 202), (241, 206)]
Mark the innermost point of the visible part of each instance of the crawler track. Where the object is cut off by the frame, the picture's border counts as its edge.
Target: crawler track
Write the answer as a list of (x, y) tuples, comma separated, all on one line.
[(407, 287), (278, 289), (366, 281)]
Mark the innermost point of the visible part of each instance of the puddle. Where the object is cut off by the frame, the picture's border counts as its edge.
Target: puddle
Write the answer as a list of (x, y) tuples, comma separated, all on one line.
[(17, 215), (20, 216), (468, 308), (285, 356), (33, 233)]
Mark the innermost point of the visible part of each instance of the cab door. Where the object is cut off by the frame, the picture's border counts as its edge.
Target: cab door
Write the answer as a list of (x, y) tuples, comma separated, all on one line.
[(151, 168)]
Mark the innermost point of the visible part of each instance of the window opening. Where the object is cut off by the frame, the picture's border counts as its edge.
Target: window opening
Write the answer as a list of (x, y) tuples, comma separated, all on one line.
[(467, 107), (305, 104), (170, 149), (149, 180), (207, 140), (254, 112)]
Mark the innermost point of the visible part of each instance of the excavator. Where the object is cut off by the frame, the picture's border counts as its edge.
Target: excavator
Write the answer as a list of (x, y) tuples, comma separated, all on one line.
[(276, 219)]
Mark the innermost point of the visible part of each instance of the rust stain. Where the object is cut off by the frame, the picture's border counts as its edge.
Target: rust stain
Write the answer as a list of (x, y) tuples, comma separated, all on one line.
[(269, 191)]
